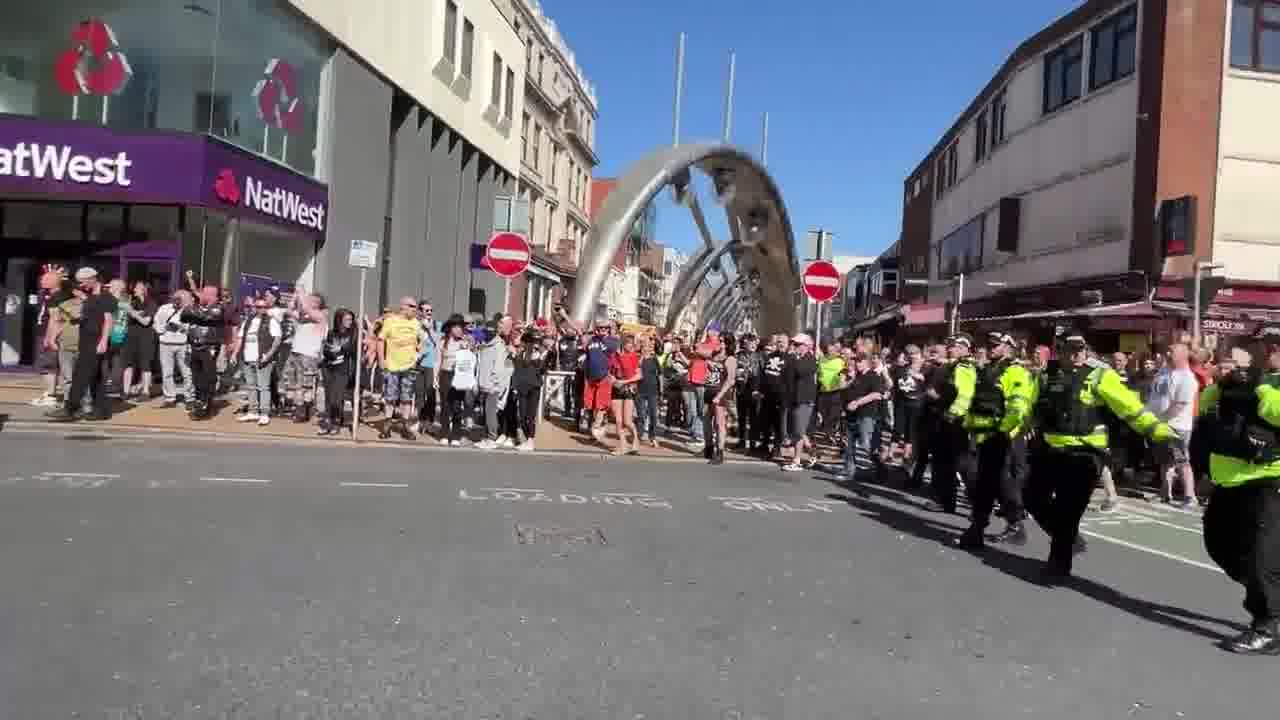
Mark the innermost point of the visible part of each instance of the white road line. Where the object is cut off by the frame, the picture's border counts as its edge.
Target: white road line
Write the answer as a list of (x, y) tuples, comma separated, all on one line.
[(510, 489), (1152, 551), (80, 475), (252, 481), (1152, 517), (374, 484)]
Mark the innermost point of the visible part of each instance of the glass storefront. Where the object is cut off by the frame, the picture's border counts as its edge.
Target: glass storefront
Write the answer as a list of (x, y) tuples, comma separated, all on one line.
[(247, 71)]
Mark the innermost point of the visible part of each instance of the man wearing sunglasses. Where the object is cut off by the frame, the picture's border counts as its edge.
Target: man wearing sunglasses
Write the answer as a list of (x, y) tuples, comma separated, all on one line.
[(399, 345)]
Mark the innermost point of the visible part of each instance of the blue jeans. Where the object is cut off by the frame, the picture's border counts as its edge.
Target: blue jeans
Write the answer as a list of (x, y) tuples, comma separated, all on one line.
[(647, 415), (693, 402), (857, 451)]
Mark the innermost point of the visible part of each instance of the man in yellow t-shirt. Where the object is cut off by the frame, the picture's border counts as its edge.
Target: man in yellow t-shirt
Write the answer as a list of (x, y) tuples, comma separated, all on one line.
[(399, 343)]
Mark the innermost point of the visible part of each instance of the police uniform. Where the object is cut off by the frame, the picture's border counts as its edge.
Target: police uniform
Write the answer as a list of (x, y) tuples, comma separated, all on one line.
[(949, 448), (1066, 463), (1241, 416), (998, 418)]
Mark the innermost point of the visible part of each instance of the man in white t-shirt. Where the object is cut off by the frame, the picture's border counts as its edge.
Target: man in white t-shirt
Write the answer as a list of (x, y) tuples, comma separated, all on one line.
[(257, 343), (1173, 398)]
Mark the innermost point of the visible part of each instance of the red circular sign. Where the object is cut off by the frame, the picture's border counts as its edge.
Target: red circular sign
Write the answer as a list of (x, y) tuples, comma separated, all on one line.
[(507, 254), (821, 281)]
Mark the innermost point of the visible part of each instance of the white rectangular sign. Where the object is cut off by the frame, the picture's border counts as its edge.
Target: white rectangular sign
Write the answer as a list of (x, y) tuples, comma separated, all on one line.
[(364, 254)]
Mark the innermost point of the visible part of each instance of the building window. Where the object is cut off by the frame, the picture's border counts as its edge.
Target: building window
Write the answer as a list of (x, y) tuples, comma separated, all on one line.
[(468, 47), (1115, 45), (524, 138), (980, 137), (537, 146), (502, 213), (961, 251), (999, 104), (528, 57), (511, 94), (1062, 69), (541, 62), (451, 31), (1255, 35), (495, 99), (555, 161)]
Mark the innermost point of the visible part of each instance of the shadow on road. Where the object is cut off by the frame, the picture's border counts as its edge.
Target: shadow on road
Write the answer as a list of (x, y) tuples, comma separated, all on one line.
[(4, 418), (889, 508)]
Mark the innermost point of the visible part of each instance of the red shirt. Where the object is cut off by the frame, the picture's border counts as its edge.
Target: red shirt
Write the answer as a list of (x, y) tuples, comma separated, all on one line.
[(624, 365)]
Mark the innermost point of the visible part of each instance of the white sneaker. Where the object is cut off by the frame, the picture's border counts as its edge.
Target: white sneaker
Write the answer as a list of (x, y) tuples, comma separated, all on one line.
[(505, 442), (414, 428), (444, 441), (526, 446), (264, 421), (486, 444), (455, 443), (791, 467), (249, 417), (44, 401)]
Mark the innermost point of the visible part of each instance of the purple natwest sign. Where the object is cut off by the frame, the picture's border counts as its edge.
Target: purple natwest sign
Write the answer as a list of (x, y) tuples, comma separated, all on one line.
[(79, 162)]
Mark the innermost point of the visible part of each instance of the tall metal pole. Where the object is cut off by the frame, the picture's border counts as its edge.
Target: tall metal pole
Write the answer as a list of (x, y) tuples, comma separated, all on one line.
[(675, 121), (359, 350), (728, 98), (1195, 310), (764, 141), (955, 312)]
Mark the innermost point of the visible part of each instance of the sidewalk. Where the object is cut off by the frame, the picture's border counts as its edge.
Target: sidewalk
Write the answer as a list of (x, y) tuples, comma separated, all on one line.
[(17, 390)]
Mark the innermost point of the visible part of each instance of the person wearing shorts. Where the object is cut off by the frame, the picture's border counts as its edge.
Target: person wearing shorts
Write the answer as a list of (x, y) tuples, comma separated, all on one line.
[(804, 393), (302, 369), (399, 346)]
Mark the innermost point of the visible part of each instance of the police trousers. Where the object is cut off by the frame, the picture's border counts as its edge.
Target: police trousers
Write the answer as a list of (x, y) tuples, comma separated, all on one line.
[(999, 477), (1057, 494), (950, 455), (1242, 535)]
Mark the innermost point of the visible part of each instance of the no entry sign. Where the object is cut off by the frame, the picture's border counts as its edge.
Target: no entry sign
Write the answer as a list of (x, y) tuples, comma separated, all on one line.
[(821, 281), (507, 254)]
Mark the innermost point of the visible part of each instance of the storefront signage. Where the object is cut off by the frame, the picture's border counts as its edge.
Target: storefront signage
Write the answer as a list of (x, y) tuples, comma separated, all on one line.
[(1228, 327), (61, 163), (84, 162), (1260, 296)]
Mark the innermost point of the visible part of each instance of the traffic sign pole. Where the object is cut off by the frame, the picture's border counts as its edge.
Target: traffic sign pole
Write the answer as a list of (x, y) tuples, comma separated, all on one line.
[(359, 349)]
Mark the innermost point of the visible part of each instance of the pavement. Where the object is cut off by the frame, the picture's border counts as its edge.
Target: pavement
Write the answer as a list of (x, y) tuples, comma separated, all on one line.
[(162, 576)]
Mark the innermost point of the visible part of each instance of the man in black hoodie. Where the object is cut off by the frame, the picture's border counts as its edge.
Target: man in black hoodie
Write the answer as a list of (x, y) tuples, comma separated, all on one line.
[(748, 388), (205, 334), (775, 381)]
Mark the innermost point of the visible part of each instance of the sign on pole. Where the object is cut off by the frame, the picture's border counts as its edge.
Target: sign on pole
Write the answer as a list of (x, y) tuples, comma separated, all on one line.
[(364, 255), (821, 281), (508, 254)]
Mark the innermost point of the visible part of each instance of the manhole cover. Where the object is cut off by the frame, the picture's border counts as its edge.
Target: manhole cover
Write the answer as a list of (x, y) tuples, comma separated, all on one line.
[(530, 535)]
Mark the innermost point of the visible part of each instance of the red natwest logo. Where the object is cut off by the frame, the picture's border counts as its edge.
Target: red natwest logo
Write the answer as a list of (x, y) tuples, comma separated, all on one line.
[(227, 188), (94, 64)]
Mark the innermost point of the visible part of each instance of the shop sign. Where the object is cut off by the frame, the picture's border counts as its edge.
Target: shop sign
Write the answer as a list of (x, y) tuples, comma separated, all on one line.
[(1228, 327), (73, 161)]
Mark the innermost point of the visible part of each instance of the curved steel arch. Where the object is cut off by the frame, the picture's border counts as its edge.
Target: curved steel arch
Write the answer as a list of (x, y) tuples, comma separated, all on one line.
[(718, 305), (694, 272), (756, 200)]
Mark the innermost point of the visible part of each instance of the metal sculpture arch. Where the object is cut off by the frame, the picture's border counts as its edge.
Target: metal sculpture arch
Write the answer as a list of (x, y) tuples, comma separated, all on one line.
[(761, 242)]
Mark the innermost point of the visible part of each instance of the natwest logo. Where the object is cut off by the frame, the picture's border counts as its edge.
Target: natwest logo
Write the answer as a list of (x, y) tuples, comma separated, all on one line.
[(274, 201), (61, 163)]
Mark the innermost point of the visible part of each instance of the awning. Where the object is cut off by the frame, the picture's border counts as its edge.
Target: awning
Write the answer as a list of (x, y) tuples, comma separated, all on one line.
[(1137, 309), (892, 314)]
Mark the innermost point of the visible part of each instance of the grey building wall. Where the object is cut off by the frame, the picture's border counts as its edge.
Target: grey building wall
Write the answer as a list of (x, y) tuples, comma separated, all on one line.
[(407, 209), (491, 181), (357, 156), (446, 277)]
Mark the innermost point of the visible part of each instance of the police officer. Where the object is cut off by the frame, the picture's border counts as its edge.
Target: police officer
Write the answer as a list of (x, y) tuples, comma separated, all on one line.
[(998, 418), (748, 387), (948, 400), (1242, 522), (1066, 463)]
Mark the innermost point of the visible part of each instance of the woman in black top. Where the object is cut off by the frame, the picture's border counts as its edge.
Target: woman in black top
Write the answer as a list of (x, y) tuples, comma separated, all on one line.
[(338, 355), (140, 343), (530, 360), (804, 393), (722, 371), (647, 391)]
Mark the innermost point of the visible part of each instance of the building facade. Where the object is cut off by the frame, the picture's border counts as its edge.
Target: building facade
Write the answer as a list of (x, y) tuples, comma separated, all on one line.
[(620, 299), (252, 142), (557, 154), (1113, 151)]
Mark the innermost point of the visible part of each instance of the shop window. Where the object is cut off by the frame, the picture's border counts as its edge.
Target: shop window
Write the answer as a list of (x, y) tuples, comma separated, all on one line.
[(961, 251), (159, 65), (1255, 35), (1062, 74)]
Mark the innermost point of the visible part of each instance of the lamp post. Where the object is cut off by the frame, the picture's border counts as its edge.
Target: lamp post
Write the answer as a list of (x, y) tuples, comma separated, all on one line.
[(1201, 268)]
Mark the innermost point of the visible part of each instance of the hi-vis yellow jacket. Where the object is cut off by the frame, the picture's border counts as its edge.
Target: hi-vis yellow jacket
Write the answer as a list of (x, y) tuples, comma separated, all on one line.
[(1019, 391), (1227, 471), (1072, 400)]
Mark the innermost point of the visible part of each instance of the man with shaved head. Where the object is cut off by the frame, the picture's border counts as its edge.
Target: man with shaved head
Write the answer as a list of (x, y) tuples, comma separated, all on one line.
[(399, 345)]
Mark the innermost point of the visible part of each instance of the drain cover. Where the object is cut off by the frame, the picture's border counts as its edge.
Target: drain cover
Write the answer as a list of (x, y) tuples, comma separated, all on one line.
[(530, 535)]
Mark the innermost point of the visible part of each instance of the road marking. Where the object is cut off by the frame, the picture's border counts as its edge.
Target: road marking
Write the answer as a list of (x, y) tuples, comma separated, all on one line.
[(374, 484), (1152, 551), (249, 481), (765, 504), (80, 475), (1154, 517), (78, 481), (533, 495)]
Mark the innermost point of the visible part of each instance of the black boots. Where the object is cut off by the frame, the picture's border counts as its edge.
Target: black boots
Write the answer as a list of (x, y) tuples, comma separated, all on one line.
[(1261, 639), (1014, 534)]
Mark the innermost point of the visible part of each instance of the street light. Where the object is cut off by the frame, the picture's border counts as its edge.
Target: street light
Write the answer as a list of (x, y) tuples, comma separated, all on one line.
[(958, 282), (1201, 268)]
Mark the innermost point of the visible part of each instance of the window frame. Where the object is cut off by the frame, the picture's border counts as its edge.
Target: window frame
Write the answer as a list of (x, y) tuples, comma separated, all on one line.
[(537, 146), (495, 98), (980, 132), (1071, 54), (999, 118), (450, 49), (1123, 23), (466, 61), (510, 100), (1258, 26)]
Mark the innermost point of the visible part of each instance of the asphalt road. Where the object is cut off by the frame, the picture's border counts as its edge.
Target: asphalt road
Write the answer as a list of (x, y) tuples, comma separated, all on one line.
[(157, 578)]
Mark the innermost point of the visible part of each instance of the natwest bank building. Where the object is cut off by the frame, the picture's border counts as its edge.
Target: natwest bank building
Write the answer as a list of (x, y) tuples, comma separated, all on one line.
[(251, 142), (1076, 185)]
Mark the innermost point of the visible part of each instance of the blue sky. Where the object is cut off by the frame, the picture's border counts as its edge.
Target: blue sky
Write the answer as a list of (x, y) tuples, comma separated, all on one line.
[(857, 90)]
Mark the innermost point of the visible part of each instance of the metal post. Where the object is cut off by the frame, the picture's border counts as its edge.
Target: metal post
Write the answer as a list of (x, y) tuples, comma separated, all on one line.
[(955, 312), (817, 341), (1195, 310), (675, 121), (728, 98), (764, 141), (355, 402)]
